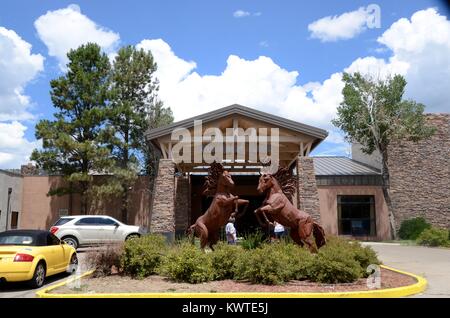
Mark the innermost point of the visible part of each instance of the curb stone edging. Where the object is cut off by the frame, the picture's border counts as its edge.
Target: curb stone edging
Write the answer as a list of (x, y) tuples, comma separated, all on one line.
[(403, 291)]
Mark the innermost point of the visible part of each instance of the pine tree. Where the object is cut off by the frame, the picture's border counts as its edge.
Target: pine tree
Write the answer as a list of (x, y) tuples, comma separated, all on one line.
[(73, 142), (134, 108)]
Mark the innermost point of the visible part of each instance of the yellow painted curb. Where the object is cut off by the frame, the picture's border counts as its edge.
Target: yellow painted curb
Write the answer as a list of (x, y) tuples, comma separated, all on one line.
[(415, 288)]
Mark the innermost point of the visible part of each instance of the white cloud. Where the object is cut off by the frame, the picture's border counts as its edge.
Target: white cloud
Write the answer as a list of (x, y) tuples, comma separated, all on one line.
[(65, 29), (15, 149), (18, 66), (342, 27), (420, 49), (259, 83), (241, 14)]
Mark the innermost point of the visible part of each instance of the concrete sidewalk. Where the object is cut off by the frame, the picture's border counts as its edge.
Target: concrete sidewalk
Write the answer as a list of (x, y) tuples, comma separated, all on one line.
[(431, 263)]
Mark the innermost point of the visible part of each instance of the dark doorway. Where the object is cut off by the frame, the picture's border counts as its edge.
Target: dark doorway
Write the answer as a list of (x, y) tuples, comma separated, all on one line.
[(247, 223), (356, 215)]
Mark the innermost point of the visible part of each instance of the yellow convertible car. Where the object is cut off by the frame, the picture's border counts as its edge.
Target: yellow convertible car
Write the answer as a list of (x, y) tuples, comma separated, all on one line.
[(32, 255)]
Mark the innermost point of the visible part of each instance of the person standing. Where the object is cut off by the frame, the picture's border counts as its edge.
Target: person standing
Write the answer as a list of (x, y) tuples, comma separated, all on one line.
[(278, 229), (230, 231)]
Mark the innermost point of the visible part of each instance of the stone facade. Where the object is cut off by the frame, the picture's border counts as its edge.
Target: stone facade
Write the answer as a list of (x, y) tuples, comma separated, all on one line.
[(182, 204), (419, 175), (307, 196), (163, 208)]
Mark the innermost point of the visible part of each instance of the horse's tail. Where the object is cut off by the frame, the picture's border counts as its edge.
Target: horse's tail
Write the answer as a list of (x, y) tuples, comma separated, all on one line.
[(319, 235)]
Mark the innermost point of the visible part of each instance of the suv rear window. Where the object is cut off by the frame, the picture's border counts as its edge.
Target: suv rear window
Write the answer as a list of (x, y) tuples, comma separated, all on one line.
[(63, 221)]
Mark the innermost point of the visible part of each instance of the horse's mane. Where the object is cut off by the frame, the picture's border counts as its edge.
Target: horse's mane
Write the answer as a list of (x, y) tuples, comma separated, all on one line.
[(211, 180), (287, 181)]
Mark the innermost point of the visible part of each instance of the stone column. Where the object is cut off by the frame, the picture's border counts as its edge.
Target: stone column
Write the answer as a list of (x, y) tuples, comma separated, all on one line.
[(307, 194), (182, 204), (163, 209)]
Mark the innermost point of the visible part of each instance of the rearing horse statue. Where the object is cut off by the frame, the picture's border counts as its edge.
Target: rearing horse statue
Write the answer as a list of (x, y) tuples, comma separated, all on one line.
[(218, 184), (279, 188)]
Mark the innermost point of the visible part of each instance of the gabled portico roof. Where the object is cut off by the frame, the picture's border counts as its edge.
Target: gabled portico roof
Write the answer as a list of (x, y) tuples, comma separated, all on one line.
[(240, 110), (294, 138)]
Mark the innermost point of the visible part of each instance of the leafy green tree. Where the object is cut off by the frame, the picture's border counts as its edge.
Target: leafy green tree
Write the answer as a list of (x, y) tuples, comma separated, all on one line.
[(374, 114), (159, 116), (72, 142), (134, 108)]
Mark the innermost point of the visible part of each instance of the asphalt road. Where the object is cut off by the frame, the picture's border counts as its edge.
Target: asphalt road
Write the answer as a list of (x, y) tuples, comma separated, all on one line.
[(430, 263)]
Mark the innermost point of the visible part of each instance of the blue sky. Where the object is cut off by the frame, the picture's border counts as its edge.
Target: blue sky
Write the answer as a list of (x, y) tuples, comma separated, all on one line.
[(283, 57)]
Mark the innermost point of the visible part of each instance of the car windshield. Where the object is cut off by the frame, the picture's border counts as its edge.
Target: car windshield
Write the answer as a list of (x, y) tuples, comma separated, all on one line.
[(14, 239)]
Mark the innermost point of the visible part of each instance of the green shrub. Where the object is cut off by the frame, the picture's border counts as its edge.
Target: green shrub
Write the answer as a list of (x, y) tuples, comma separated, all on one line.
[(364, 255), (434, 237), (253, 240), (299, 260), (185, 262), (334, 264), (223, 259), (411, 229), (263, 265), (105, 260), (142, 256)]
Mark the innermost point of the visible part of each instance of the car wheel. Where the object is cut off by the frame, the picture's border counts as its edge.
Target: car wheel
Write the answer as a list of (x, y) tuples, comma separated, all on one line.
[(132, 236), (73, 265), (71, 241), (39, 276)]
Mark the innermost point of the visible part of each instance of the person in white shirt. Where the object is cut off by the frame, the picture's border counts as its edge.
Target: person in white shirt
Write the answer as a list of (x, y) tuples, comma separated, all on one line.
[(279, 230), (230, 231)]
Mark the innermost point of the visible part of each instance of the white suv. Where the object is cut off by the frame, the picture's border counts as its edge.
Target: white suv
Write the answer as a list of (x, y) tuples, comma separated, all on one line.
[(79, 230)]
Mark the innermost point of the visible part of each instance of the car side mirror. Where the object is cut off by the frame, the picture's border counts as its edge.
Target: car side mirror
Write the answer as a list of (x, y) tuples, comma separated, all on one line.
[(116, 225)]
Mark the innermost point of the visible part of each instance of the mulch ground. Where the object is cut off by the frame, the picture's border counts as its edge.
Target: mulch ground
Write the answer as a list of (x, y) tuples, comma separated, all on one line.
[(124, 284)]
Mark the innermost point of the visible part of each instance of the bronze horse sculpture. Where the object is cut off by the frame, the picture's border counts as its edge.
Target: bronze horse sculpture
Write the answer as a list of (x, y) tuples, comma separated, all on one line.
[(218, 184), (279, 188)]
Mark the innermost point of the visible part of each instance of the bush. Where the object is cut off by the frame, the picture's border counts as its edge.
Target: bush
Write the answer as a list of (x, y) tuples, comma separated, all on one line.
[(434, 237), (272, 264), (106, 260), (299, 260), (253, 240), (223, 259), (187, 263), (411, 229), (263, 265), (363, 255), (142, 256), (333, 265)]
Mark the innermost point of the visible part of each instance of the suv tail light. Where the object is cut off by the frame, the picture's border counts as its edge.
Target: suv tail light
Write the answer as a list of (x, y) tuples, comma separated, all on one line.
[(54, 229), (23, 258)]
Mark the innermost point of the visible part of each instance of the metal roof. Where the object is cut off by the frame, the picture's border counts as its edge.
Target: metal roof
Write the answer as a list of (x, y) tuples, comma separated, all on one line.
[(341, 166), (241, 110)]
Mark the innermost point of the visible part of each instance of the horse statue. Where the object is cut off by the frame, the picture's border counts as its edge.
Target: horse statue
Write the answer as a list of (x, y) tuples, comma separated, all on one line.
[(218, 184), (279, 188)]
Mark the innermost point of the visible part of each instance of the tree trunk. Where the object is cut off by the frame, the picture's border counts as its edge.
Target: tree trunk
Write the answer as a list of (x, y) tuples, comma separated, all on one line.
[(387, 197), (124, 209)]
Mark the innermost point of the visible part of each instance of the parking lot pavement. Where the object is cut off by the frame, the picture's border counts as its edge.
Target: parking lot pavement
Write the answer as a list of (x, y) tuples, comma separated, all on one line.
[(21, 290), (431, 263)]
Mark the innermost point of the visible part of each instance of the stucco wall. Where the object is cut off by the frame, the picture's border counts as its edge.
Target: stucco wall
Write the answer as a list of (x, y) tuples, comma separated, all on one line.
[(10, 180), (40, 211), (328, 207)]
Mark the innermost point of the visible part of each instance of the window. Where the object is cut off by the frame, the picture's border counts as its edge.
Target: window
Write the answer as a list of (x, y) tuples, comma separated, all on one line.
[(356, 215), (63, 221), (14, 220), (108, 221), (90, 221), (52, 240)]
